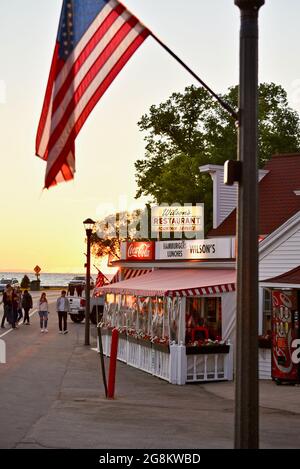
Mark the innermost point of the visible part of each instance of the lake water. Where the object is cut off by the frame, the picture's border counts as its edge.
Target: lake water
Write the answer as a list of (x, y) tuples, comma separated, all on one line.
[(46, 279)]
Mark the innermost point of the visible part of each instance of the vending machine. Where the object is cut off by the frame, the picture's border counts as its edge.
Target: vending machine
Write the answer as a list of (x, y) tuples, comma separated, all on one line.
[(285, 328)]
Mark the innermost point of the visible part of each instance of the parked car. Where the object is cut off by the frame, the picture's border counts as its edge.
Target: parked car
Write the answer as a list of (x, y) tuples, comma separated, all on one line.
[(8, 281), (77, 308), (80, 280)]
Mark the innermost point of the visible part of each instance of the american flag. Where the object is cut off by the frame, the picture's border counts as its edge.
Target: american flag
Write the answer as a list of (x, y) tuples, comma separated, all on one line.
[(95, 40), (101, 280)]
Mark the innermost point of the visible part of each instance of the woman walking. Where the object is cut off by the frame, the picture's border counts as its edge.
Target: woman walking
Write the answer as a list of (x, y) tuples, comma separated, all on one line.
[(26, 305), (43, 312)]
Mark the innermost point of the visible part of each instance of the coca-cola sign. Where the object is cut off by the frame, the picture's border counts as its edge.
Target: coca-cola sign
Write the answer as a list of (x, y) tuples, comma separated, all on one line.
[(140, 250)]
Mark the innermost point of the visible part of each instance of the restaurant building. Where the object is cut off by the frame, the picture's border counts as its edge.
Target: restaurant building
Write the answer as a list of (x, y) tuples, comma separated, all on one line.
[(174, 302)]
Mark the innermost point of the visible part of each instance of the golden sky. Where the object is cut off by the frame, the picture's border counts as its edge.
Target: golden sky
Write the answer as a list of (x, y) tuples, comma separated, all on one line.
[(46, 228)]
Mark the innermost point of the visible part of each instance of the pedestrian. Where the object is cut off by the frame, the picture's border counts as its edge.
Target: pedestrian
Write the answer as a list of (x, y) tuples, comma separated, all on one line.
[(79, 290), (8, 302), (15, 308), (43, 312), (71, 290), (18, 293), (26, 305), (62, 308), (7, 305)]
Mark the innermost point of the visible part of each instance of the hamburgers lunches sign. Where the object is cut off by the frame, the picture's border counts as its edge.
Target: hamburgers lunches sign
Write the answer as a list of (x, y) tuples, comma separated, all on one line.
[(218, 248)]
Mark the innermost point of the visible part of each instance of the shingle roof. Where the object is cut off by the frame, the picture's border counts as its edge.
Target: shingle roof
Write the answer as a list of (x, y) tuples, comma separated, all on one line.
[(278, 201)]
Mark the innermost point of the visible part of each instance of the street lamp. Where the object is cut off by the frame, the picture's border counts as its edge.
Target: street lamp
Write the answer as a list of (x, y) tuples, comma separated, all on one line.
[(88, 225)]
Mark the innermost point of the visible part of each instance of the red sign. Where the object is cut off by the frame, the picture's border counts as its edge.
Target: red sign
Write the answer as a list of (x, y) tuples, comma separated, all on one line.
[(140, 251), (37, 269)]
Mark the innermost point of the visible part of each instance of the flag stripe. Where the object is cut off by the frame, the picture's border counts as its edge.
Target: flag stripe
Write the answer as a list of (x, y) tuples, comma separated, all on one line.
[(67, 123), (83, 81), (47, 107), (84, 41), (84, 108), (89, 54), (62, 71), (95, 40)]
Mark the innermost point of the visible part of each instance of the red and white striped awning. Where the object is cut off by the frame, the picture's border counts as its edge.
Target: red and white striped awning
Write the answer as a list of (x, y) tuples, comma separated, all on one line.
[(177, 282), (129, 273)]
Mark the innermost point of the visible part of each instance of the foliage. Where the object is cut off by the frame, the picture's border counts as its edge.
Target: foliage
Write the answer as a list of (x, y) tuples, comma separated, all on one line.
[(25, 283), (190, 129), (115, 228)]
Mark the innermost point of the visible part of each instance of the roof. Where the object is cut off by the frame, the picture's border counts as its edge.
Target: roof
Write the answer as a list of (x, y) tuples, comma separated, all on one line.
[(292, 277), (278, 201), (177, 282)]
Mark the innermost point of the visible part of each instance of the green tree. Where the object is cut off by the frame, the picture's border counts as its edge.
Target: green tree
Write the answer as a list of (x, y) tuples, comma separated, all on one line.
[(25, 282), (190, 129)]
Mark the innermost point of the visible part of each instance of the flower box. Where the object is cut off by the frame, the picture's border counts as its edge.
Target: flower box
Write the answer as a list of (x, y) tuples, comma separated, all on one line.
[(133, 339), (161, 347), (145, 342), (207, 349)]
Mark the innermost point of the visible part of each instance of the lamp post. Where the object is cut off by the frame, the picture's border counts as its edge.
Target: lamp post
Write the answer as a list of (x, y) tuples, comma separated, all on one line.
[(88, 225), (246, 393)]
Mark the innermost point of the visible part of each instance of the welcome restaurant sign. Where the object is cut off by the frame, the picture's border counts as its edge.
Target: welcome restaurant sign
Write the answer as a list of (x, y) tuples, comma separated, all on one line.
[(179, 219)]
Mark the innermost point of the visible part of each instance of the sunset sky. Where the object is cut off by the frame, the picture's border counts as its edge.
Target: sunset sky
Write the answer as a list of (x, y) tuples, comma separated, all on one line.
[(46, 228)]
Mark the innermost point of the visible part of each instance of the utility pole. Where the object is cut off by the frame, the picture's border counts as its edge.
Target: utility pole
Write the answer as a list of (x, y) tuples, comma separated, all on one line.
[(246, 376)]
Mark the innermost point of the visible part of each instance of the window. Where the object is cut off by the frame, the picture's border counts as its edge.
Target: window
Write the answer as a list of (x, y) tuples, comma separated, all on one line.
[(213, 317), (204, 312)]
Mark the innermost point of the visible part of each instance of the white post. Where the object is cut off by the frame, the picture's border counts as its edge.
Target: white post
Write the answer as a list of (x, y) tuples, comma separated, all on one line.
[(173, 363), (181, 328), (260, 309), (228, 364), (182, 364), (2, 352)]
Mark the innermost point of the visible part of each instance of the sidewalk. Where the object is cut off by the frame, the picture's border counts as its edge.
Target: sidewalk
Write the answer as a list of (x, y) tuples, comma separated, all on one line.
[(52, 397), (285, 398)]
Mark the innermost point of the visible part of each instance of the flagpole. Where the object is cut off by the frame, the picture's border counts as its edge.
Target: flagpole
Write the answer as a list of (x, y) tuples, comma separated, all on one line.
[(223, 103)]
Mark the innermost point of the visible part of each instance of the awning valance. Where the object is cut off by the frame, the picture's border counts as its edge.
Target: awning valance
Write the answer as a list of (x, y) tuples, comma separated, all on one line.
[(177, 282), (288, 279)]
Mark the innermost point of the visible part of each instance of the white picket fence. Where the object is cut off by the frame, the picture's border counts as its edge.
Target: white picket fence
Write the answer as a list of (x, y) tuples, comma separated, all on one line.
[(210, 367), (175, 367)]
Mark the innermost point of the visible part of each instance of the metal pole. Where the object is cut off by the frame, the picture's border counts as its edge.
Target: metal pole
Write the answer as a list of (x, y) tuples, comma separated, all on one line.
[(101, 357), (246, 376), (88, 288)]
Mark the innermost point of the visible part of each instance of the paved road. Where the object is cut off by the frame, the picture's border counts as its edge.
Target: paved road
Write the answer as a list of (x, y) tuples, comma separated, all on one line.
[(52, 397)]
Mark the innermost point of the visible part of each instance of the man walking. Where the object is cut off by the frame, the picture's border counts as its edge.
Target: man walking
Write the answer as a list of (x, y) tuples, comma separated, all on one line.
[(7, 301), (62, 307)]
